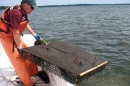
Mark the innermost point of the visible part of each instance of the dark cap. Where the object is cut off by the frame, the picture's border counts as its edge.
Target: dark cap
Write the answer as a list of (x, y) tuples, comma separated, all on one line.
[(30, 2)]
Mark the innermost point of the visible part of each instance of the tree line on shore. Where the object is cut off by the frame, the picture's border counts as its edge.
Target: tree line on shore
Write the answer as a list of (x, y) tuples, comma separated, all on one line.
[(3, 7)]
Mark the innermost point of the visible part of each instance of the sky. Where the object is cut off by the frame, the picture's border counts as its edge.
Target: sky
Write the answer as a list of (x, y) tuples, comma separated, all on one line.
[(64, 2)]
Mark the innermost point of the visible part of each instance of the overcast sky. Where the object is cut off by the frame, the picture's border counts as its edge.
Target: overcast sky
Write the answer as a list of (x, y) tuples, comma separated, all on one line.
[(62, 2)]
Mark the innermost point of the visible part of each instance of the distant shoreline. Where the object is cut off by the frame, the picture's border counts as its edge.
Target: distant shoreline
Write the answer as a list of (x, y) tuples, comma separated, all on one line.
[(80, 5), (3, 7)]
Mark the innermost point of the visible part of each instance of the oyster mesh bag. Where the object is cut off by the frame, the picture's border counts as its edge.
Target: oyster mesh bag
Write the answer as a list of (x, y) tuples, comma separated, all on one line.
[(69, 62)]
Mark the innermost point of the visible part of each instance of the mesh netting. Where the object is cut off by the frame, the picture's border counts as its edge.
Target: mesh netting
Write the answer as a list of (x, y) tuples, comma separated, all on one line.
[(64, 60)]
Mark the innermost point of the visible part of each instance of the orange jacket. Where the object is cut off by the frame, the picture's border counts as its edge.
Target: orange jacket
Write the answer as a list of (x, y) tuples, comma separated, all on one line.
[(5, 26)]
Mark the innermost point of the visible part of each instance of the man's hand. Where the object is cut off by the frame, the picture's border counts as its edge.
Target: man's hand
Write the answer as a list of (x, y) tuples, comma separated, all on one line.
[(20, 49), (37, 37), (39, 40), (23, 53)]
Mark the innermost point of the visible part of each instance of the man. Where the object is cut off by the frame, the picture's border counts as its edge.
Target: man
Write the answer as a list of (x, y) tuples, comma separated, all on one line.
[(12, 23)]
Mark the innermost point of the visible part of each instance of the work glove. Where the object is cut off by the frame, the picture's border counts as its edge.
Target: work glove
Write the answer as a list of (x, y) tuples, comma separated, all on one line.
[(23, 53), (20, 49), (37, 37), (40, 42)]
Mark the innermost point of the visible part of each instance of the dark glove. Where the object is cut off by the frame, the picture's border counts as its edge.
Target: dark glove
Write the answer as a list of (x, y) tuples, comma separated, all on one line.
[(37, 37)]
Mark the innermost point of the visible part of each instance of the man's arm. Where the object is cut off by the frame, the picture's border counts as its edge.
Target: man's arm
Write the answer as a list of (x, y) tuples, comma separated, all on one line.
[(16, 37), (29, 29)]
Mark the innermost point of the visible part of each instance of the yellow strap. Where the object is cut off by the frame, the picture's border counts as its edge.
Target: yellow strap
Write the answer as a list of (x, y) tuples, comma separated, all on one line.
[(94, 68)]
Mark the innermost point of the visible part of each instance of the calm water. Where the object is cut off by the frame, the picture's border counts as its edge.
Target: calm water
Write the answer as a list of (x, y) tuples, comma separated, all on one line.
[(102, 30)]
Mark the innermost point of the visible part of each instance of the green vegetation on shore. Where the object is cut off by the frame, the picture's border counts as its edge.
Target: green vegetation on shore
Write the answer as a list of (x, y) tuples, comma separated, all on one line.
[(3, 7), (80, 5)]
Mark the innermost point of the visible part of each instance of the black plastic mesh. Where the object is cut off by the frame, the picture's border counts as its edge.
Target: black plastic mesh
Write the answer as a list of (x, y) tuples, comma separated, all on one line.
[(64, 60)]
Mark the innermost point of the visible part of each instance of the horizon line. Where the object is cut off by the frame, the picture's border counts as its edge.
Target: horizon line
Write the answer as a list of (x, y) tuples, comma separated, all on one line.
[(75, 5)]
